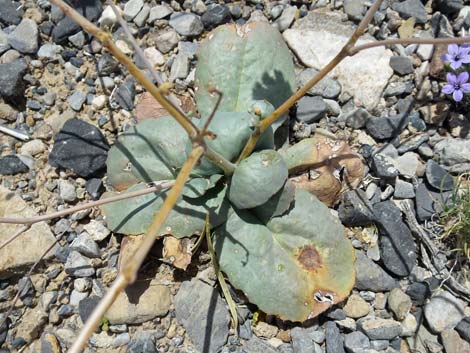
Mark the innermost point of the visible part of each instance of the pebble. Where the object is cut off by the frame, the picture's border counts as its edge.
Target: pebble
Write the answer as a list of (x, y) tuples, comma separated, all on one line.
[(142, 16), (383, 166), (12, 85), (121, 340), (443, 302), (125, 94), (76, 297), (380, 329), (302, 339), (107, 65), (370, 276), (311, 109), (327, 88), (107, 18), (438, 177), (81, 147), (11, 14), (67, 191), (413, 143), (25, 37), (26, 291), (430, 202), (402, 65), (97, 230), (289, 14), (386, 127), (12, 165), (192, 302), (86, 307), (356, 307), (82, 284), (85, 245), (154, 56), (215, 15), (399, 303), (78, 265), (47, 299), (463, 328), (409, 325), (186, 24), (355, 9), (411, 8), (76, 100), (334, 340), (407, 164), (141, 302), (99, 102), (165, 41), (454, 154), (453, 343), (403, 190), (355, 209), (356, 341), (159, 12), (179, 68), (132, 8)]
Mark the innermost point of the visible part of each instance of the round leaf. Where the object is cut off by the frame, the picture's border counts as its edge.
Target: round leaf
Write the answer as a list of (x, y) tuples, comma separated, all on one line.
[(294, 266), (257, 178)]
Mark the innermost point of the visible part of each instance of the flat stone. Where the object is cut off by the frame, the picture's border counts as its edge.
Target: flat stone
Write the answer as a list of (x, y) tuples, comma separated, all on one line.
[(380, 329), (159, 12), (411, 8), (76, 100), (215, 15), (356, 307), (397, 246), (320, 35), (334, 340), (383, 166), (11, 14), (12, 85), (443, 312), (355, 9), (165, 41), (81, 147), (402, 65), (125, 94), (407, 164), (355, 209), (356, 341), (78, 265), (399, 303), (12, 165), (370, 276), (310, 109), (409, 325), (438, 177), (386, 127), (202, 312), (403, 190), (463, 328), (132, 8), (302, 341), (179, 68), (454, 154), (141, 302), (85, 245), (97, 230), (25, 37), (327, 87), (453, 343), (430, 202), (186, 24), (20, 254)]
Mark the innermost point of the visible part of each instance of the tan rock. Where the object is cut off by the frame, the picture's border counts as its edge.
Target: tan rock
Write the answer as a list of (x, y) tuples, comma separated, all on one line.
[(265, 330), (356, 307)]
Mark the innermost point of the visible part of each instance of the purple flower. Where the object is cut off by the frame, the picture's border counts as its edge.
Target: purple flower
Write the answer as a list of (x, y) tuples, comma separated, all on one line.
[(457, 56), (457, 85)]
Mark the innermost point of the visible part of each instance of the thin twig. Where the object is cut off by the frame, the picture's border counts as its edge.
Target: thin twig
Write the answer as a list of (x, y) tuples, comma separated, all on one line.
[(159, 187), (284, 107), (15, 133), (14, 236), (128, 273), (155, 74)]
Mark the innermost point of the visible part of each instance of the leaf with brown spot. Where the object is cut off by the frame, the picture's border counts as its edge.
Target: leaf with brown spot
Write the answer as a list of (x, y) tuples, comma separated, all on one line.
[(149, 108), (327, 165), (177, 252), (288, 264)]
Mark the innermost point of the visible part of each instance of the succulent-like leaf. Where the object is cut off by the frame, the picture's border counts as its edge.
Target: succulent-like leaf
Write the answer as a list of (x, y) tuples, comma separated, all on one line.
[(294, 266), (278, 204), (134, 215), (152, 150), (197, 187), (246, 63), (257, 178), (232, 130)]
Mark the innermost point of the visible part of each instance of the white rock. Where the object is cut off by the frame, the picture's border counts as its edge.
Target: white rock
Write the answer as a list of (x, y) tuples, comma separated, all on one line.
[(443, 312), (132, 8), (99, 102), (97, 230), (319, 36), (33, 147), (108, 18), (124, 47), (29, 247), (154, 56)]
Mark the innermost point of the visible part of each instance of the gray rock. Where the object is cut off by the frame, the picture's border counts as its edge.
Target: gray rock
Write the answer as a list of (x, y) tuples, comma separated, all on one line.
[(78, 39), (26, 291), (357, 118), (327, 87), (429, 202), (334, 340), (4, 46), (256, 345), (386, 127), (11, 13), (125, 94), (167, 40), (287, 18), (121, 340), (12, 85), (454, 154), (76, 100), (179, 68), (438, 177), (186, 24), (397, 246), (78, 265), (402, 65), (67, 191), (25, 37), (355, 209), (380, 329), (142, 16), (107, 65), (86, 307), (132, 8), (443, 312), (448, 7), (379, 345), (302, 339), (12, 165), (355, 9), (411, 8), (76, 297), (418, 292), (187, 48), (94, 188), (384, 167), (403, 190), (47, 299), (398, 88), (215, 15), (413, 143), (159, 12), (48, 50), (201, 310), (463, 328), (143, 342), (356, 341), (407, 164), (370, 276), (399, 303), (86, 245), (311, 109)]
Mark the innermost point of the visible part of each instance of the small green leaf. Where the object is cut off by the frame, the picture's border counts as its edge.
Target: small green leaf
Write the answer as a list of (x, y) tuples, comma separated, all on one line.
[(278, 204), (152, 150), (134, 215), (257, 178), (197, 187), (294, 266)]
